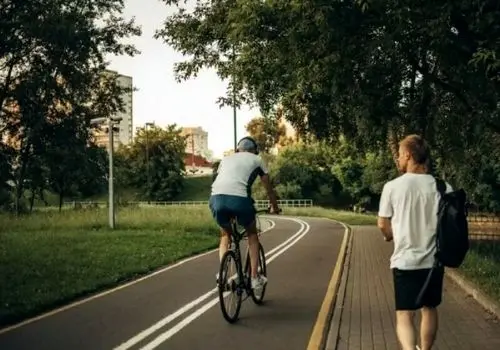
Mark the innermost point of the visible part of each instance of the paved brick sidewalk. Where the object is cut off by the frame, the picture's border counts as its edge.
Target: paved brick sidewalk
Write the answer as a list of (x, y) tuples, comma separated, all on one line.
[(367, 314)]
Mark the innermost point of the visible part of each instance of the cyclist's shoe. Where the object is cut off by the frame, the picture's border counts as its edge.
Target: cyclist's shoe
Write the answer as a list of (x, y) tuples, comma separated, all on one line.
[(259, 282)]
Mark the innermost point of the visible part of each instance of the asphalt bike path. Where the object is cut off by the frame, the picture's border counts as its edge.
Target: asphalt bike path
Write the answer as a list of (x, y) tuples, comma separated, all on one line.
[(177, 308)]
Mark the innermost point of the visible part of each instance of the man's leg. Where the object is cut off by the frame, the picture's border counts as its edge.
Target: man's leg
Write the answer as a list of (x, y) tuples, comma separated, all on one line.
[(225, 241), (405, 329), (431, 300), (405, 293), (253, 247), (428, 327), (258, 281), (219, 213), (247, 217)]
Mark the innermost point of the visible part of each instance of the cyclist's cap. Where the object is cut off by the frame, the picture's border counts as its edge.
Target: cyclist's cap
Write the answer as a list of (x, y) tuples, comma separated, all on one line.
[(246, 145)]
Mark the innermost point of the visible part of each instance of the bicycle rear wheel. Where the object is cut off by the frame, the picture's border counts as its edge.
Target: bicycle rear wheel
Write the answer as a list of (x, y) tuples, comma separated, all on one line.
[(257, 298), (229, 287)]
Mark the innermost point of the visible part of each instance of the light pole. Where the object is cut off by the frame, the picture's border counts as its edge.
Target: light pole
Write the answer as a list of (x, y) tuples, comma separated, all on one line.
[(234, 105), (147, 153), (110, 121)]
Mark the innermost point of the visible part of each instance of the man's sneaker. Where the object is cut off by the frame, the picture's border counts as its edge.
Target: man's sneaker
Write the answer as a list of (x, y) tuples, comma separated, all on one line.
[(259, 282)]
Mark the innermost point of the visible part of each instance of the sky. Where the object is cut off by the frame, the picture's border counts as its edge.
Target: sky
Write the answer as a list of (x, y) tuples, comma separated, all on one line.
[(160, 99)]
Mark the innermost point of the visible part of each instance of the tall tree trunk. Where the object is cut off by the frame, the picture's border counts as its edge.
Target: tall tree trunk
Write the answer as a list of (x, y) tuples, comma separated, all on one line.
[(32, 200), (393, 139), (23, 159), (42, 198), (61, 196)]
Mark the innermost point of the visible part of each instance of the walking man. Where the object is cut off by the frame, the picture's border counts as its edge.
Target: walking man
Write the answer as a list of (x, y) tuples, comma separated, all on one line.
[(408, 215)]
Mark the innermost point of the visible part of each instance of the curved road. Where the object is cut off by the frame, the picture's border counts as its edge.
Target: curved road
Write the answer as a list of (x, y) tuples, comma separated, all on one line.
[(177, 308)]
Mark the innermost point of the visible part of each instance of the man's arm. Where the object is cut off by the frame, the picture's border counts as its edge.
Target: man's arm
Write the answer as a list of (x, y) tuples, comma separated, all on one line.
[(215, 170), (385, 213), (264, 177), (270, 192)]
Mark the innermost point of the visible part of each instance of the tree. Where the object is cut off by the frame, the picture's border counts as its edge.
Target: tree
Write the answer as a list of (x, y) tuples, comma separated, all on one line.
[(303, 171), (424, 67), (6, 156), (160, 176), (94, 170), (301, 55), (63, 157), (52, 69), (266, 132)]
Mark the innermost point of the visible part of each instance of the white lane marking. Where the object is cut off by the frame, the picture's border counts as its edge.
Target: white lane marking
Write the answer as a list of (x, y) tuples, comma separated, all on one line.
[(109, 291), (200, 311), (163, 322), (186, 321)]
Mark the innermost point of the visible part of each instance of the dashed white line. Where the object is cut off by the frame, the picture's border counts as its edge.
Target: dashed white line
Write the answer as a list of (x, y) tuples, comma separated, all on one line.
[(277, 251)]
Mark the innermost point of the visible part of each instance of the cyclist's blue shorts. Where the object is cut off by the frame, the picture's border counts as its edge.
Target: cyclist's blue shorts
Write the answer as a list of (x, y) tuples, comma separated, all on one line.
[(224, 207)]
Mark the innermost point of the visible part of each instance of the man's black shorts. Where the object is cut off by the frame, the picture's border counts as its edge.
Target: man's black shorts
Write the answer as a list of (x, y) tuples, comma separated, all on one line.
[(407, 286)]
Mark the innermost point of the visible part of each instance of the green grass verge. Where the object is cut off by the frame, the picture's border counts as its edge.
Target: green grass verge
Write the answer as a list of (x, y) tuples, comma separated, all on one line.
[(482, 266), (196, 189), (50, 258), (347, 217)]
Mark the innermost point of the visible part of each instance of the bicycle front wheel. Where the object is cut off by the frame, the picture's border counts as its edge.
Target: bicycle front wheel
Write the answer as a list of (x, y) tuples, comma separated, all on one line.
[(230, 287), (258, 297)]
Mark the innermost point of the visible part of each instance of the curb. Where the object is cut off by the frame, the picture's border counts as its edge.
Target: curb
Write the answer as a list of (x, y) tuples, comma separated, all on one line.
[(473, 290), (333, 337), (319, 336)]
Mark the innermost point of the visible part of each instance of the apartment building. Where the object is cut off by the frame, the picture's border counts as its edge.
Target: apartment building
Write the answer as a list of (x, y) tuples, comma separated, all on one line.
[(196, 141), (124, 130)]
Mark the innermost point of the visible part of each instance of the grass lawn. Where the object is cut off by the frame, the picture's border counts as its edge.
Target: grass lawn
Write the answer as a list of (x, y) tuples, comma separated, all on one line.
[(482, 266), (196, 189), (347, 217), (51, 258)]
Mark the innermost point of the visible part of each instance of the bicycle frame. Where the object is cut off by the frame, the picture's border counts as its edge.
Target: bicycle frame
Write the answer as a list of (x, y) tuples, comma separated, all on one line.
[(236, 238), (242, 283)]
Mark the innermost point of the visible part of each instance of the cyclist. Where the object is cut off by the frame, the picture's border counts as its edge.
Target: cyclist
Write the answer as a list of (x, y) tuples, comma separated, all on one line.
[(231, 197)]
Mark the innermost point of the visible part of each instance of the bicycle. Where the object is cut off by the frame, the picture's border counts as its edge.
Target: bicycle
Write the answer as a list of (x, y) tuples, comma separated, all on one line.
[(239, 282)]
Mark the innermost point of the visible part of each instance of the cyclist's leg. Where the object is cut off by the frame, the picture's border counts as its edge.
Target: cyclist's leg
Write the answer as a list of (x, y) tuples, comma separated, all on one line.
[(223, 219), (253, 247), (247, 217)]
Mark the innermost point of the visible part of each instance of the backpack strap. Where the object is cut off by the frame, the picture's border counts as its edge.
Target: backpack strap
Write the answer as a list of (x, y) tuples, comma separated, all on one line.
[(441, 186)]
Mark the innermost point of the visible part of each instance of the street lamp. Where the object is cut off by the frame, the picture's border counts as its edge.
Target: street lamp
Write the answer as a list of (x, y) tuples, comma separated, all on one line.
[(234, 102), (147, 152), (110, 121)]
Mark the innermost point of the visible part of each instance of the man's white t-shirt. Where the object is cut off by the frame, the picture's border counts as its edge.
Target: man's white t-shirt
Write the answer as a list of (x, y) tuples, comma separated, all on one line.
[(411, 201), (237, 173)]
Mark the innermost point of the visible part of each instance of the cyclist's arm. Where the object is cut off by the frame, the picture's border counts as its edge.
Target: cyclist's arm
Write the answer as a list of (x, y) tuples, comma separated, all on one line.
[(264, 177), (215, 170), (270, 192)]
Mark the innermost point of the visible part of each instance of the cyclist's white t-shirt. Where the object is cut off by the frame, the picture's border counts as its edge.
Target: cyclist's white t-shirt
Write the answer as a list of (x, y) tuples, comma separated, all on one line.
[(412, 200), (237, 173)]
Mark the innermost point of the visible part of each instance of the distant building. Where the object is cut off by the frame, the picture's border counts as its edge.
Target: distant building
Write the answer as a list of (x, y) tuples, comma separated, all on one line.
[(124, 134), (228, 152), (197, 165), (196, 141)]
